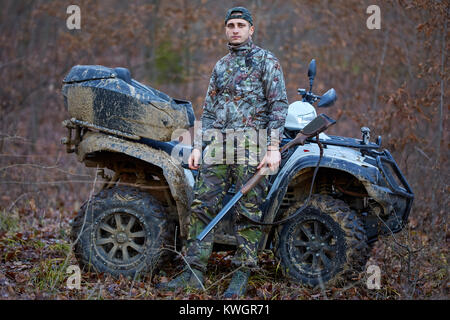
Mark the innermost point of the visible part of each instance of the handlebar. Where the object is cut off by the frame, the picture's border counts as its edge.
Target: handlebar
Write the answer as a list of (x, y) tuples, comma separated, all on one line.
[(308, 96)]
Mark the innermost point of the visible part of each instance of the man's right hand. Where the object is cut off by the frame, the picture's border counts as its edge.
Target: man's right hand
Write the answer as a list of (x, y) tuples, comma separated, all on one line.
[(194, 159)]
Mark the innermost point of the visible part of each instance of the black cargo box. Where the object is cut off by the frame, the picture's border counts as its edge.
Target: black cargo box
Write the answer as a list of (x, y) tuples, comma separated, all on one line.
[(111, 98)]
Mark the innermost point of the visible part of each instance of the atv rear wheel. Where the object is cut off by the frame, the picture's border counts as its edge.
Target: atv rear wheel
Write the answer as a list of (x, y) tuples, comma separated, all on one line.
[(322, 242), (121, 232)]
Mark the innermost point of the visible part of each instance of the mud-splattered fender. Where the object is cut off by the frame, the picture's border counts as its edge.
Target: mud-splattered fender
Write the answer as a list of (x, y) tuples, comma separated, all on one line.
[(367, 175), (173, 173)]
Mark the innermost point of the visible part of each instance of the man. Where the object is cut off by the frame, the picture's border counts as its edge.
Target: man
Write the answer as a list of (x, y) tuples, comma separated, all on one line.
[(246, 95)]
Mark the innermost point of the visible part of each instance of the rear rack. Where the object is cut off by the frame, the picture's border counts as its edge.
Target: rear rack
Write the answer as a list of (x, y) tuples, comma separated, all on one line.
[(89, 125), (73, 123), (77, 125)]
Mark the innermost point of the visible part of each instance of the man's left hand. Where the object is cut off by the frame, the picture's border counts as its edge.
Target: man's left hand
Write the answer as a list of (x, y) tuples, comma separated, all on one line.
[(272, 160)]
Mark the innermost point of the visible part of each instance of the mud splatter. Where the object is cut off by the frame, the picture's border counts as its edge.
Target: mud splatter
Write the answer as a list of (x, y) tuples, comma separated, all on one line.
[(173, 172), (81, 103)]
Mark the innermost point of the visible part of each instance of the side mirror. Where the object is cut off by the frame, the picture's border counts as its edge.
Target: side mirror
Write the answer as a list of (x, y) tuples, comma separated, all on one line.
[(328, 99), (312, 69)]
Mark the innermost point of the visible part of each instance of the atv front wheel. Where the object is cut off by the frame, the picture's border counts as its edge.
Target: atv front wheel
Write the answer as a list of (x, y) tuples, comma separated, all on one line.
[(324, 240), (120, 231)]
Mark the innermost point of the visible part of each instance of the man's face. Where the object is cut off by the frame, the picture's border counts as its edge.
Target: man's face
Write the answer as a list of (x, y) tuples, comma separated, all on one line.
[(238, 31)]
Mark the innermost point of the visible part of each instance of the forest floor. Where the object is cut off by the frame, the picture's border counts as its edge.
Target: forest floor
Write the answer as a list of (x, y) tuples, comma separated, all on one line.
[(42, 190), (35, 253)]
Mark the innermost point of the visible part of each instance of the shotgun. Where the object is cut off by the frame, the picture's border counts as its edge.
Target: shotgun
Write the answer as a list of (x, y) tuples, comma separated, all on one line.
[(316, 126)]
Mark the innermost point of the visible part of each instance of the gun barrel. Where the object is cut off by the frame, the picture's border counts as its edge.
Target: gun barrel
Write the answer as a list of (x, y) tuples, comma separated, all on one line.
[(219, 216)]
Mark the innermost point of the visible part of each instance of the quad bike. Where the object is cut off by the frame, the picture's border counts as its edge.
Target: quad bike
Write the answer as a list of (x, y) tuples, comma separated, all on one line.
[(334, 209)]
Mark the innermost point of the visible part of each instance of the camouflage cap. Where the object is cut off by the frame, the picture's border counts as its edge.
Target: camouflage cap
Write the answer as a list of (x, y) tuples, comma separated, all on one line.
[(239, 13)]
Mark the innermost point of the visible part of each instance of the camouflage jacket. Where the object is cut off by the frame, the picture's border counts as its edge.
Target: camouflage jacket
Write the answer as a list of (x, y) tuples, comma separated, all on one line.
[(246, 90)]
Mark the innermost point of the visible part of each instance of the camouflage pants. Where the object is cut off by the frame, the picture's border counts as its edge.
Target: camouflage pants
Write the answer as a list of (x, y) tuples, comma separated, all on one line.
[(210, 188)]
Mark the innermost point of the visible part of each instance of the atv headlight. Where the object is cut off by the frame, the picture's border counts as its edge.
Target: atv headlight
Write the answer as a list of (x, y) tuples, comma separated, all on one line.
[(304, 119)]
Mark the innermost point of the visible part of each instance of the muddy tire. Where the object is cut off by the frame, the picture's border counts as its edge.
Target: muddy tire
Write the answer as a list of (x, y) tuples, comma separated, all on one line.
[(121, 232), (324, 242)]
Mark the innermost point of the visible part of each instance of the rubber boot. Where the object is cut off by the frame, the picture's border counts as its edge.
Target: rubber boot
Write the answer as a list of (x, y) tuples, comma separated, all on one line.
[(238, 284), (184, 280)]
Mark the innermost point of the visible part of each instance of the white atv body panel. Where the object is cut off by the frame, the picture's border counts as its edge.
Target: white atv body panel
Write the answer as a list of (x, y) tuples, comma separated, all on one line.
[(299, 115), (332, 152)]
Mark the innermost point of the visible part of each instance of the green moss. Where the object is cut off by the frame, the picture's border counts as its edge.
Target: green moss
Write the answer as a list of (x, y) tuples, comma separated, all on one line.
[(49, 274), (168, 64), (60, 248), (8, 222)]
